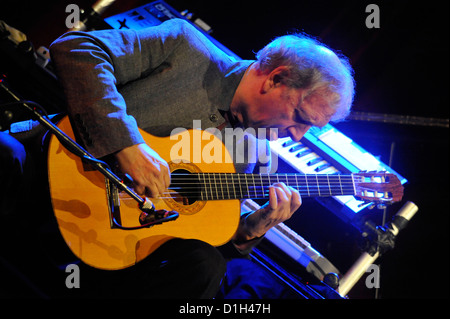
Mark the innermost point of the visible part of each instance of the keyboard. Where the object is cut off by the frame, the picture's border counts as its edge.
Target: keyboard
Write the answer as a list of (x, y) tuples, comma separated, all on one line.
[(328, 151)]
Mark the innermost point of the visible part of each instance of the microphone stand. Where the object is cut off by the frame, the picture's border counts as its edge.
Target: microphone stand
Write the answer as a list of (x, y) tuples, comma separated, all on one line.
[(149, 217), (384, 240)]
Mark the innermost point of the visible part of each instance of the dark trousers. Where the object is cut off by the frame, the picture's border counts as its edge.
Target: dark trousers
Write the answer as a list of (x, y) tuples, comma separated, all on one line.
[(34, 256), (179, 269), (13, 163)]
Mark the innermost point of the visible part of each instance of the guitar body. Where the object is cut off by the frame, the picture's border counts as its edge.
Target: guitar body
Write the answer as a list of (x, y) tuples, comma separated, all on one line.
[(80, 199)]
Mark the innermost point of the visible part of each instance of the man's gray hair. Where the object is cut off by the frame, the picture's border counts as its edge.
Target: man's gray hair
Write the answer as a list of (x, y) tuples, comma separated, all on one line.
[(312, 66)]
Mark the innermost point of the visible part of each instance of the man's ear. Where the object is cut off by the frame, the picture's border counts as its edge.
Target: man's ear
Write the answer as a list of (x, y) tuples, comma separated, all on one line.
[(275, 78)]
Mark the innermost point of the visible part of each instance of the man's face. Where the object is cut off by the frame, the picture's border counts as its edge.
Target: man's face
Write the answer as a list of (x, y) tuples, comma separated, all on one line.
[(291, 111)]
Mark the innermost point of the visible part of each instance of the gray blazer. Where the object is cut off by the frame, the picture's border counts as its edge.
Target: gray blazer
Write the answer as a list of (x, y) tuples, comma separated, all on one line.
[(159, 78)]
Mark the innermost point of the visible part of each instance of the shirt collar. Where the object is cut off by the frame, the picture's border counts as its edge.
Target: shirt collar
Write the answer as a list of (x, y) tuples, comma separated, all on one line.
[(232, 77)]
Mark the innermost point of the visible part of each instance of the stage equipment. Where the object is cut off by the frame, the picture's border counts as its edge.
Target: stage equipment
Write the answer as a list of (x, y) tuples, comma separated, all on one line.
[(380, 239), (30, 73)]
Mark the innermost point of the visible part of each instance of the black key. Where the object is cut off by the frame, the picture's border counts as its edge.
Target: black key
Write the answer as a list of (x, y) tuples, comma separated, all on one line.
[(322, 167), (303, 153), (314, 161)]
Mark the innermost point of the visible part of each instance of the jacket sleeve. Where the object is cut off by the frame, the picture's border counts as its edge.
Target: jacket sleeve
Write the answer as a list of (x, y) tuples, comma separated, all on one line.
[(91, 66)]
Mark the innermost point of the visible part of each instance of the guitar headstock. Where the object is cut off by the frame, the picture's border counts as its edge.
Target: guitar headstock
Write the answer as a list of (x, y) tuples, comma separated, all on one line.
[(377, 187)]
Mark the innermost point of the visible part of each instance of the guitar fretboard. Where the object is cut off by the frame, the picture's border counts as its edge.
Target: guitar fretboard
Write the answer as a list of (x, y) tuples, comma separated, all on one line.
[(218, 186)]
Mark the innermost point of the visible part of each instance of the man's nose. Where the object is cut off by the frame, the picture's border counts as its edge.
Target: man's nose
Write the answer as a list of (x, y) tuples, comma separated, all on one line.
[(296, 133)]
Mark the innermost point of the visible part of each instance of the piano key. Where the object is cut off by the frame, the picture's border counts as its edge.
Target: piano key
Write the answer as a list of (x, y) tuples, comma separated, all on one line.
[(301, 159), (288, 143), (303, 153), (312, 169), (314, 161), (322, 167), (306, 161), (297, 147)]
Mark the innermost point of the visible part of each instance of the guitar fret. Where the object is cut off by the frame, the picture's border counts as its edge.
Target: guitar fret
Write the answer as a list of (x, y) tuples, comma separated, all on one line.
[(262, 186), (209, 185), (230, 186), (219, 186), (241, 195), (318, 188), (307, 185), (234, 186), (204, 192), (254, 186), (215, 183), (222, 192), (248, 188), (296, 182), (226, 186), (222, 185), (329, 186), (353, 182)]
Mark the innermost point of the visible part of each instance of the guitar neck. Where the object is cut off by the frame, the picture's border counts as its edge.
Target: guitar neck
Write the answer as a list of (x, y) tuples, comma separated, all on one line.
[(219, 186)]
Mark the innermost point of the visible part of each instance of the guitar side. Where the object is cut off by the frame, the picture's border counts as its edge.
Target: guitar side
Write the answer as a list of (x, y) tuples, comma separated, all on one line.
[(80, 203)]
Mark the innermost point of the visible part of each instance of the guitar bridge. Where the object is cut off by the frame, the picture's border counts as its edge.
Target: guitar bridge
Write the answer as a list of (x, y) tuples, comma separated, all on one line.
[(147, 218)]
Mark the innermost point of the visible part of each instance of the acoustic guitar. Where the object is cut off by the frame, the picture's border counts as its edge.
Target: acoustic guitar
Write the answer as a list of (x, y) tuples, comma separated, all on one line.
[(102, 225)]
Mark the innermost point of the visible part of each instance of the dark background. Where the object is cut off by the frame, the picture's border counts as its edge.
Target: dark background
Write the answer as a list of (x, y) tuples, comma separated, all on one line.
[(400, 69)]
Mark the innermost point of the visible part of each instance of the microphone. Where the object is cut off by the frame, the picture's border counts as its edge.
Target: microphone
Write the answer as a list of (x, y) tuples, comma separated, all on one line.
[(92, 16), (401, 219), (399, 222)]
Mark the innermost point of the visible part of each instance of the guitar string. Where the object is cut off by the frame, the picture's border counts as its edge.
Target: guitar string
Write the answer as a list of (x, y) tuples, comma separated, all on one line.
[(258, 182), (253, 190), (311, 180), (268, 178), (259, 188), (262, 181), (313, 184)]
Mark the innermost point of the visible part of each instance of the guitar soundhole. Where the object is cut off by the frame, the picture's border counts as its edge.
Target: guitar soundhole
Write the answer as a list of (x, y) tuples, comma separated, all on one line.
[(185, 187)]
